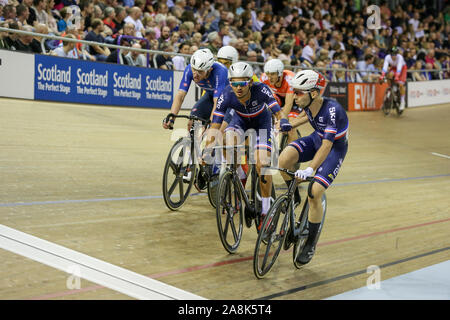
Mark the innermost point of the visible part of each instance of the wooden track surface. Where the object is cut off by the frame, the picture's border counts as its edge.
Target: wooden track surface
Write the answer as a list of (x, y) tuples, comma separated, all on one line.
[(89, 178)]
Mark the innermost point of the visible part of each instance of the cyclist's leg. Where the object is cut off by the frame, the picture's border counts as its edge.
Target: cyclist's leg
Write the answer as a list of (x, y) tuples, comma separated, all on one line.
[(324, 177), (300, 150), (263, 152), (202, 109), (402, 88), (233, 134)]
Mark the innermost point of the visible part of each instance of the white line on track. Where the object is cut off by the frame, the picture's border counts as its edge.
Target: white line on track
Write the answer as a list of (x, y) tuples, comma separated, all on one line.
[(105, 274), (440, 155)]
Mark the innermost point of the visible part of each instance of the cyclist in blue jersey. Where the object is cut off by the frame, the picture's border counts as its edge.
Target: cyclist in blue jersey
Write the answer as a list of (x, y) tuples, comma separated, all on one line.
[(326, 148), (209, 75), (254, 105)]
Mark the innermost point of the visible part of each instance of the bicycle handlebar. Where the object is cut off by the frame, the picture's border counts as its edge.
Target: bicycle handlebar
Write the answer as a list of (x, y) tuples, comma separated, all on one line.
[(292, 175), (190, 117)]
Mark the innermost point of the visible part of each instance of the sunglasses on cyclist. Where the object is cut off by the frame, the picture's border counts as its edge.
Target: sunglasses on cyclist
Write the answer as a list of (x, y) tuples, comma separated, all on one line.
[(239, 83)]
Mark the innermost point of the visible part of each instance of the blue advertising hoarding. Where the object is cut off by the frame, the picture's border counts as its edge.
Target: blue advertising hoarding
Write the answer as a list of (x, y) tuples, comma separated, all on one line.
[(78, 81)]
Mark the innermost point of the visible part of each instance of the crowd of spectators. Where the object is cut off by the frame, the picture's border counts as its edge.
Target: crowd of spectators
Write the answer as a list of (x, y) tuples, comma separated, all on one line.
[(330, 34)]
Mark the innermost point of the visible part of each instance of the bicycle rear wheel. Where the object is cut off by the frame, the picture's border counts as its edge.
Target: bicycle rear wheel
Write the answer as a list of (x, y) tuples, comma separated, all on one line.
[(271, 236), (229, 213), (303, 226), (178, 175)]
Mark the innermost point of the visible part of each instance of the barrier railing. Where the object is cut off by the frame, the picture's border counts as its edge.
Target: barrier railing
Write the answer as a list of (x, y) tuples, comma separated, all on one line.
[(351, 74)]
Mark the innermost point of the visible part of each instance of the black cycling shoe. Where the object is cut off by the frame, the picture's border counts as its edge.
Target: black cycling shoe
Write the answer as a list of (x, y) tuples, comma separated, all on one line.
[(200, 182), (249, 215), (306, 255)]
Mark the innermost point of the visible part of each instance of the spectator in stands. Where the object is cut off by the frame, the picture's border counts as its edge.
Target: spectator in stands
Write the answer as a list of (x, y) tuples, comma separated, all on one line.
[(164, 61), (23, 12), (129, 29), (367, 73), (430, 59), (180, 62), (445, 65), (196, 39), (67, 50), (137, 58), (120, 55), (32, 16), (99, 52), (11, 38), (65, 16), (214, 42), (134, 17), (3, 35), (40, 7), (36, 44), (285, 55), (87, 11), (172, 23), (309, 51), (52, 22), (165, 36), (119, 16), (10, 12), (23, 42), (418, 75), (108, 21)]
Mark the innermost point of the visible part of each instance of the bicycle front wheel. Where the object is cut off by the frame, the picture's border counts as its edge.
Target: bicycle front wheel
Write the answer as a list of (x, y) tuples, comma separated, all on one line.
[(387, 101), (271, 237), (229, 212), (178, 175)]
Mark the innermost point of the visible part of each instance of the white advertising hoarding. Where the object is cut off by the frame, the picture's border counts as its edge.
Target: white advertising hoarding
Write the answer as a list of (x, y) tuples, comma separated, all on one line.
[(425, 93), (16, 75)]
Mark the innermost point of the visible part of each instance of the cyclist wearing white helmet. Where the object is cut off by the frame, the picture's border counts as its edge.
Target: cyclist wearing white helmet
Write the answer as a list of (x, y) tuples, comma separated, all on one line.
[(207, 74), (227, 56), (279, 81), (254, 104), (326, 148)]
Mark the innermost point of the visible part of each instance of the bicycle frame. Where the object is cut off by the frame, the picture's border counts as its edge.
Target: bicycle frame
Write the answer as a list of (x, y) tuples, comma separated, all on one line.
[(236, 179)]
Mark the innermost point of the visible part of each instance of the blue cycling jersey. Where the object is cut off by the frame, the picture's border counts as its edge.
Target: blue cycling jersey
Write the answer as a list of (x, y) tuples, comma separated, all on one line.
[(331, 121), (261, 100), (215, 83)]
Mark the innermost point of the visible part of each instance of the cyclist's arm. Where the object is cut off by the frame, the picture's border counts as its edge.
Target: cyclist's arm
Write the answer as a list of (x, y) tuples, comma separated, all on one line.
[(178, 101), (288, 103), (301, 119), (213, 130), (214, 108), (321, 154)]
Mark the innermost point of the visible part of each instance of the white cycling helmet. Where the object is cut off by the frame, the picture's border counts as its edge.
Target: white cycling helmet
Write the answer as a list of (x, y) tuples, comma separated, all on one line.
[(274, 65), (228, 53), (240, 70), (202, 59), (307, 80)]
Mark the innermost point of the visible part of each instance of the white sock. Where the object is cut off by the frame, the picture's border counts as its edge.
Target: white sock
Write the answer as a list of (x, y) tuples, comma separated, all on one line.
[(265, 205)]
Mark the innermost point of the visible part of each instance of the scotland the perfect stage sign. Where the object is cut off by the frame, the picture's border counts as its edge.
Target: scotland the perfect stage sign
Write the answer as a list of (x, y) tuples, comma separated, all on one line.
[(69, 80)]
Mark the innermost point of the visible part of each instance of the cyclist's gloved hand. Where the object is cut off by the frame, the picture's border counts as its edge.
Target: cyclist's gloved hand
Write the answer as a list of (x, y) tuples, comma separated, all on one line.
[(303, 174), (168, 122), (381, 77), (285, 126)]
